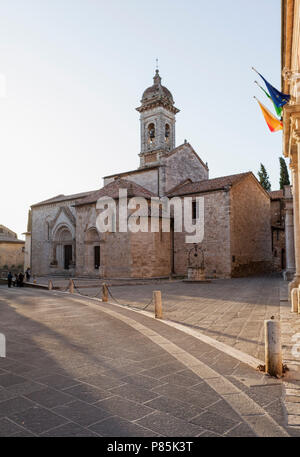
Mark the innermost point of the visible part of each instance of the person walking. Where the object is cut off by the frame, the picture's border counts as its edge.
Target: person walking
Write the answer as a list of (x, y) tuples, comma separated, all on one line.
[(9, 279), (28, 274), (21, 279), (15, 280)]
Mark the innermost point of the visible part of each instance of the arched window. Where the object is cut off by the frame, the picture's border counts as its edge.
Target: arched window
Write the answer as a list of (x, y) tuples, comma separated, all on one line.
[(151, 133), (167, 133)]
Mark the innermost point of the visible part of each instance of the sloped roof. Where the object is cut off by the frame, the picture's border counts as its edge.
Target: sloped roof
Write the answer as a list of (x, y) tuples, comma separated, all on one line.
[(8, 236), (181, 146), (137, 170), (62, 198), (208, 185), (276, 194), (112, 190)]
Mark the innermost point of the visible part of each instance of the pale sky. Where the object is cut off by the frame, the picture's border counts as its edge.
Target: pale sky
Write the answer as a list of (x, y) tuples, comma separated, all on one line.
[(72, 73)]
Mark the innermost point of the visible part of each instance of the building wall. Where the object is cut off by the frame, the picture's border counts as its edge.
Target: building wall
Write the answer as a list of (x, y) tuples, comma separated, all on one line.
[(278, 249), (151, 254), (27, 253), (11, 254), (250, 229), (147, 179), (216, 241), (182, 165)]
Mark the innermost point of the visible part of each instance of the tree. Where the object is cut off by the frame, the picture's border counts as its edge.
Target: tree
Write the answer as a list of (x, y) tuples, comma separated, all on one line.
[(284, 174), (264, 178)]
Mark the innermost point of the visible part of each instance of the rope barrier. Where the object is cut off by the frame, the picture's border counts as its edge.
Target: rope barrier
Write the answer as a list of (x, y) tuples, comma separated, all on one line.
[(126, 304), (111, 295), (86, 295)]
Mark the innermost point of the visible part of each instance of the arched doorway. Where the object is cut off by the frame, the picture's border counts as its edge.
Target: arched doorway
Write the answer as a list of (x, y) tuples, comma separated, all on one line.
[(63, 248), (92, 257)]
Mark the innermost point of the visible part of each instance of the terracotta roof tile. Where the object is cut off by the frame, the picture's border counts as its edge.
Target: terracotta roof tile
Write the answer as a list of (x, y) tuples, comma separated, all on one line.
[(112, 190), (62, 198), (275, 194), (208, 185)]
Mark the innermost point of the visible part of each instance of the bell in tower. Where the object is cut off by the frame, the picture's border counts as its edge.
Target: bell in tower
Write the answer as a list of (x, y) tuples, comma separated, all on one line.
[(157, 118)]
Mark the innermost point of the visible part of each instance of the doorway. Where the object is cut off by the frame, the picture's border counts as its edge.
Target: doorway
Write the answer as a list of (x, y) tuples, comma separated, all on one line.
[(67, 255)]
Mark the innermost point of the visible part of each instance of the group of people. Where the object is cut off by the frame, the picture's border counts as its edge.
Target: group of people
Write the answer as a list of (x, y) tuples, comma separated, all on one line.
[(18, 279)]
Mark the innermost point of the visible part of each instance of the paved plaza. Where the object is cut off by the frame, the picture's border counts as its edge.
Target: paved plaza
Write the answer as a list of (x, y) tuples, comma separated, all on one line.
[(231, 311), (79, 367)]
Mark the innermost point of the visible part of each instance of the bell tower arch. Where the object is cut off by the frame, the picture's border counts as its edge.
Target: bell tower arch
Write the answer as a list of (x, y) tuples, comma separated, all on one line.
[(157, 120)]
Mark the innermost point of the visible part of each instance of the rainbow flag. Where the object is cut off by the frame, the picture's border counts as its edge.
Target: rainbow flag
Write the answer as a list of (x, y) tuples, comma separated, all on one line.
[(273, 123)]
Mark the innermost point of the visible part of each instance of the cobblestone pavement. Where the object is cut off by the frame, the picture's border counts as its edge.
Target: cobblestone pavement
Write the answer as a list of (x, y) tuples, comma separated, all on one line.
[(78, 367), (290, 331), (231, 311)]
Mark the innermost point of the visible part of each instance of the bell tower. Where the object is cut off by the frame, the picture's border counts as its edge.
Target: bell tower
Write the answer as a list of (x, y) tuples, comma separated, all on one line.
[(157, 118)]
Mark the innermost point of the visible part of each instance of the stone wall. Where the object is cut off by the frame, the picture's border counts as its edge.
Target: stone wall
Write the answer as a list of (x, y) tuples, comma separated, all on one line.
[(12, 253), (216, 242), (250, 229), (146, 178), (181, 165), (278, 249), (151, 254)]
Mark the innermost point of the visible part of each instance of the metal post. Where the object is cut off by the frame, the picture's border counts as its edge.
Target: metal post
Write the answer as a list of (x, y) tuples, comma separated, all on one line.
[(273, 355), (294, 300), (71, 286), (50, 285), (104, 293), (157, 304)]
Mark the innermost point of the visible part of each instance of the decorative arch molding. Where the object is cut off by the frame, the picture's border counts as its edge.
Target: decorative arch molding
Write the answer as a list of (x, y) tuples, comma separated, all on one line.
[(92, 250), (63, 246), (63, 215)]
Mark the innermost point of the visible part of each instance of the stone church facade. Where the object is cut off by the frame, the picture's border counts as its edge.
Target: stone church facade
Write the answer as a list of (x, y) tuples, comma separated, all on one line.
[(237, 228)]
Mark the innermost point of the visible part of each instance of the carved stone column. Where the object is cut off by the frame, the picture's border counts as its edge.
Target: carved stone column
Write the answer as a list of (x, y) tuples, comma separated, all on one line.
[(295, 178), (289, 236)]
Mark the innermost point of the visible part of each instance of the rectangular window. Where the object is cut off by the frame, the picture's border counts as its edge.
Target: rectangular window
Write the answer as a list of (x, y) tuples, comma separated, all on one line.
[(97, 257), (194, 210)]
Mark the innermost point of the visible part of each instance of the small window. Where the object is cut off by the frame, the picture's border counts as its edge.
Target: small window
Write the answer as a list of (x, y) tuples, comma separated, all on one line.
[(194, 210), (97, 257)]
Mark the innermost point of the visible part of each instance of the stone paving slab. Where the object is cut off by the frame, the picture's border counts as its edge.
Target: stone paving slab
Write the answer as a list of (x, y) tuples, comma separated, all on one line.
[(190, 404), (230, 311)]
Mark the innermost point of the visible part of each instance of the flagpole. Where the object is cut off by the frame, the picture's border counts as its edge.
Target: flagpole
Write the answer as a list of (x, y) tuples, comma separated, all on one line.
[(258, 84), (255, 70)]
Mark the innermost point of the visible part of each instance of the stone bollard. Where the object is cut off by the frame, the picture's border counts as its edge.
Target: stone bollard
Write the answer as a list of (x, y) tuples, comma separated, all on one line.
[(50, 285), (294, 300), (157, 304), (273, 355), (104, 293), (71, 286)]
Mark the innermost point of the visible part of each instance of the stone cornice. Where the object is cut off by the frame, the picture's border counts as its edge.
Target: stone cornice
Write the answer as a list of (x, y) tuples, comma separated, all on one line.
[(157, 103)]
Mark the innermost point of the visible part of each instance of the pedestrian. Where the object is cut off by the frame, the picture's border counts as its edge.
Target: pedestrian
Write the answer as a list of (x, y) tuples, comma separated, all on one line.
[(20, 279), (9, 279), (15, 280), (28, 274)]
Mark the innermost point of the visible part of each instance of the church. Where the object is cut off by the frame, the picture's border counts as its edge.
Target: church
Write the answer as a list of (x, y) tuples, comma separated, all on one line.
[(237, 234)]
